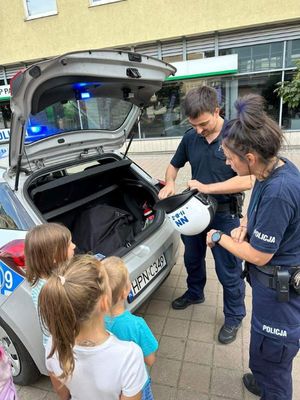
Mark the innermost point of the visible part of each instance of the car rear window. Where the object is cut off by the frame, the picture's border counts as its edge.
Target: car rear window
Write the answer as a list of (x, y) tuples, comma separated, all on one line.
[(104, 114)]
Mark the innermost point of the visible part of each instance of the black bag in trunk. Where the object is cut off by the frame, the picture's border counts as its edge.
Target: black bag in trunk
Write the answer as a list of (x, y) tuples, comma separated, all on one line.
[(103, 229)]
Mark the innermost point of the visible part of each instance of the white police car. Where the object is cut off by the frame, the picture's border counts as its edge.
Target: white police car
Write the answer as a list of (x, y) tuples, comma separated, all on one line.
[(70, 115)]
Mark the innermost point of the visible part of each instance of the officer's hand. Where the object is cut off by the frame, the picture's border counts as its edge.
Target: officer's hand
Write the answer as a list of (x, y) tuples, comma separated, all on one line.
[(209, 242), (239, 234), (168, 190), (194, 184)]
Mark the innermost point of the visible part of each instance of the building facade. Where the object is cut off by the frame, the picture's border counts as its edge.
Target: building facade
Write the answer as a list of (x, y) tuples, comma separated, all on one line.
[(245, 46)]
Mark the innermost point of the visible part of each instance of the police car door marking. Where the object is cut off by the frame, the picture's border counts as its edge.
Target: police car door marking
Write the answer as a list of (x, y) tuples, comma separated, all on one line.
[(9, 279)]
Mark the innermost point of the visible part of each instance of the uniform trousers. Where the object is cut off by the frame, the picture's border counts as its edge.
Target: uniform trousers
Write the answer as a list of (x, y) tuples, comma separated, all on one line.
[(228, 269), (274, 343)]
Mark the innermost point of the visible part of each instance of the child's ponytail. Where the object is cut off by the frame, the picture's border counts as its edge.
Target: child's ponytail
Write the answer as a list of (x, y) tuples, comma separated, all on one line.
[(67, 300)]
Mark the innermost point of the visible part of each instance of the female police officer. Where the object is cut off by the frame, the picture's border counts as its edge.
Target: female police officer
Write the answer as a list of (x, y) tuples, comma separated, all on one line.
[(268, 239)]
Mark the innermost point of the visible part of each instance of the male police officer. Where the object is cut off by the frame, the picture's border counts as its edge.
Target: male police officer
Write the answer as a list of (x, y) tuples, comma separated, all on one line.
[(201, 147)]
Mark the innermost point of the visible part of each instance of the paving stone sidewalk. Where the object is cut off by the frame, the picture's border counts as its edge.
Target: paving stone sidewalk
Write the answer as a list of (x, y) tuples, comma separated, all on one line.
[(191, 364)]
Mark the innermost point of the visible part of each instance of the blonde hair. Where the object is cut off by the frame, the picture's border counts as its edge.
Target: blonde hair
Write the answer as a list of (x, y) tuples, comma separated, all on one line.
[(118, 276), (46, 247), (67, 300)]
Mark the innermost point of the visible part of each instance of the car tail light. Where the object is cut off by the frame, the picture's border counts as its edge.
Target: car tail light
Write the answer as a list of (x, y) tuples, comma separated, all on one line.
[(12, 254)]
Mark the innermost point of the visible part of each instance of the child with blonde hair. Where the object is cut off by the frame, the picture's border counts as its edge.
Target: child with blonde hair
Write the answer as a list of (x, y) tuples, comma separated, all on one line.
[(46, 247), (122, 323), (85, 361)]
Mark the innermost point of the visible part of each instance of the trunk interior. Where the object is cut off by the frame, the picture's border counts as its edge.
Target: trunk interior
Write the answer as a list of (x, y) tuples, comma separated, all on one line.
[(107, 206)]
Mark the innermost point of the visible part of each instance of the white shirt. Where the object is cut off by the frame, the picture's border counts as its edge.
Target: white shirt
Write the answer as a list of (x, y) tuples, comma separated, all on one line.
[(104, 371)]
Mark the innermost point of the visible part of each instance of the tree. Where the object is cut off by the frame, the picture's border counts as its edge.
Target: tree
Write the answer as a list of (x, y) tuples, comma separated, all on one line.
[(290, 91)]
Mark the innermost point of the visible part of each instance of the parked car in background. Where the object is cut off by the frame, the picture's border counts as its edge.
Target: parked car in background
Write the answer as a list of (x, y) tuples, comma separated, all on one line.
[(70, 115)]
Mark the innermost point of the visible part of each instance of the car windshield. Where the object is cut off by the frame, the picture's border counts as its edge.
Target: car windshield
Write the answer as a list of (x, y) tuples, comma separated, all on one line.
[(74, 115)]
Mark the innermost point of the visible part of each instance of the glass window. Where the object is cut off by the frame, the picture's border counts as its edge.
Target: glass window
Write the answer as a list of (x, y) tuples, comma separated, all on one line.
[(263, 84), (290, 117), (261, 60), (244, 58), (12, 213), (292, 52), (164, 116), (38, 8), (276, 55), (94, 113), (260, 57), (5, 115)]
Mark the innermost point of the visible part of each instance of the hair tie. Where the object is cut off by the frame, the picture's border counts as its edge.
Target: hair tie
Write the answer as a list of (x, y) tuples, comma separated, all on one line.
[(62, 279), (240, 106)]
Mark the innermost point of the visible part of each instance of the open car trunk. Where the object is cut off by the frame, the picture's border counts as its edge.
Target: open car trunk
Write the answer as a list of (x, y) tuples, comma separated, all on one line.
[(107, 206)]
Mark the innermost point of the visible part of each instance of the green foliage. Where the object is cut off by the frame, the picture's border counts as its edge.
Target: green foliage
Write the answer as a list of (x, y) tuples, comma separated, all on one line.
[(290, 91)]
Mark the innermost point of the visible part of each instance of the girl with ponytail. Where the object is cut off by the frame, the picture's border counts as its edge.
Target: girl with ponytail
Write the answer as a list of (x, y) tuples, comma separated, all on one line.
[(84, 360), (268, 239)]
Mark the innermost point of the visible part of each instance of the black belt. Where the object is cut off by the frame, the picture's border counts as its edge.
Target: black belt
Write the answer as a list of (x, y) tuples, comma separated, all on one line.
[(279, 279), (223, 207)]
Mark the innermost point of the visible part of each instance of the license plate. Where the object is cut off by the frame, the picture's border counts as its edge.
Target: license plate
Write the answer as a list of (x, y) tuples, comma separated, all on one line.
[(143, 280)]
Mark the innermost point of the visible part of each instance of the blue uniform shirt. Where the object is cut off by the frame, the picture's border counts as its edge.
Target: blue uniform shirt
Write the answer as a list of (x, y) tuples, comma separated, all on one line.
[(208, 162), (274, 215)]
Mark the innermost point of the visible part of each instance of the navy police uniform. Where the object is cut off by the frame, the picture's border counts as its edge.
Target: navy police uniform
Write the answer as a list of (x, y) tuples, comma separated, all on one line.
[(208, 165), (274, 227)]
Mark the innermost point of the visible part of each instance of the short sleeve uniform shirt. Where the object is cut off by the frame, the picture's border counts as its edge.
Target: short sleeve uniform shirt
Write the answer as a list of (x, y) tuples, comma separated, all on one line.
[(207, 160)]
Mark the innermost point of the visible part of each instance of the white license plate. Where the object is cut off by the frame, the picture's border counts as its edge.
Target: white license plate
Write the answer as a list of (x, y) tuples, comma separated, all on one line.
[(144, 279)]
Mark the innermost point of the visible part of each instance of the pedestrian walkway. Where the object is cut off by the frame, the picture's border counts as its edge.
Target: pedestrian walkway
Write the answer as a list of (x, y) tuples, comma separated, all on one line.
[(191, 364)]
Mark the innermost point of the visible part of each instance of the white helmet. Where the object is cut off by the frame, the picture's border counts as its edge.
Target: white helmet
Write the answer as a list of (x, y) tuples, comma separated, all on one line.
[(190, 212)]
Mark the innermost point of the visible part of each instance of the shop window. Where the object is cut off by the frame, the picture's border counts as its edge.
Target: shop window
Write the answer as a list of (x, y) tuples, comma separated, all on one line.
[(276, 55), (164, 117), (208, 54), (263, 84), (38, 8), (261, 57), (244, 58), (292, 52), (290, 117), (5, 116)]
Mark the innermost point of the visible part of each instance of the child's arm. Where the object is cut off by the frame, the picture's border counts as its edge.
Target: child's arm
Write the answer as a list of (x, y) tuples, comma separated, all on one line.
[(61, 390), (150, 359), (135, 397), (147, 341)]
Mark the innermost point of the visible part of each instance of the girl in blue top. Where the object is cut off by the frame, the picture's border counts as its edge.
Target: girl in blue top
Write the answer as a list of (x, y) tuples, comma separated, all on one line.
[(122, 323), (269, 240)]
